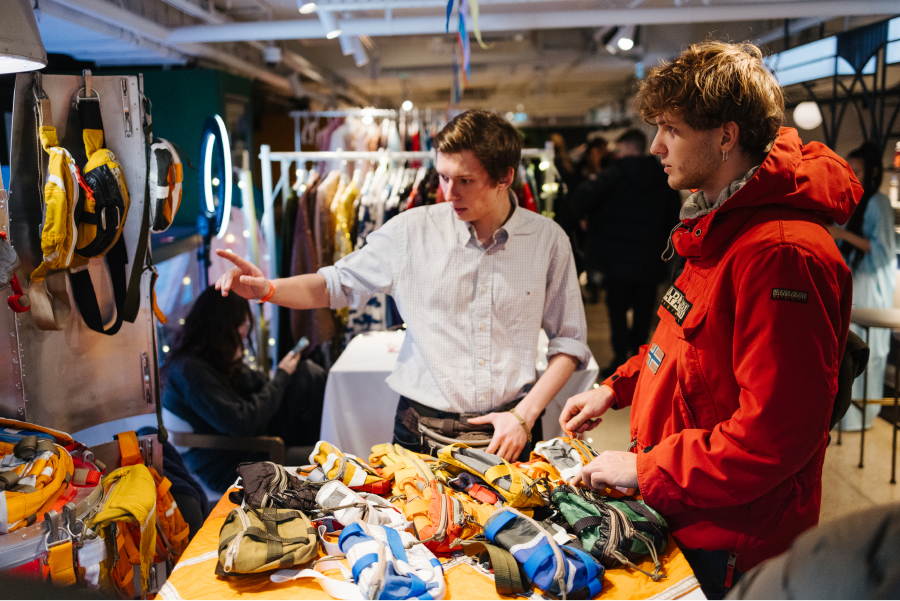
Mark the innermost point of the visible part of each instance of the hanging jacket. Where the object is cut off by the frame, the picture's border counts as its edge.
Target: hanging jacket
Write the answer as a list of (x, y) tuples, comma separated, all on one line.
[(731, 401)]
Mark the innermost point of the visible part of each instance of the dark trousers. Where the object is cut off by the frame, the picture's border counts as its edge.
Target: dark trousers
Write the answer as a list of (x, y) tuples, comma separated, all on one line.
[(622, 295), (711, 570), (407, 439)]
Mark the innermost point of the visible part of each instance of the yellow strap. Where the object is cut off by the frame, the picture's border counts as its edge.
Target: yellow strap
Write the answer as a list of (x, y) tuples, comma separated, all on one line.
[(62, 565), (130, 449)]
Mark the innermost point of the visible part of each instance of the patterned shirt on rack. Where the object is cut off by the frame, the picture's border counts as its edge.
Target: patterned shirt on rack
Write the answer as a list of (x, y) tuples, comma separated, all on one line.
[(473, 314)]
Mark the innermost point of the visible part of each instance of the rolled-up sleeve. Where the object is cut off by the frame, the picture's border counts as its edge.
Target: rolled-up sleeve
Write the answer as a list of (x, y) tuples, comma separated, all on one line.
[(564, 320), (372, 269)]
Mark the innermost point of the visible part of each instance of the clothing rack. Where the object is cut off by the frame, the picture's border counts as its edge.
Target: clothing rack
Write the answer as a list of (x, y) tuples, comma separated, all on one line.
[(286, 161)]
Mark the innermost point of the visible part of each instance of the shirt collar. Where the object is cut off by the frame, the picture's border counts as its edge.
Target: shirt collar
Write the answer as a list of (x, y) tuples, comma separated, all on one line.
[(466, 231)]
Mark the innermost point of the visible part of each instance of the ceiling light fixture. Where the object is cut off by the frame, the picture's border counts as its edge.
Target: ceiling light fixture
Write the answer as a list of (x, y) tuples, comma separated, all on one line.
[(20, 41), (807, 115), (407, 105), (329, 24), (308, 8), (360, 57), (624, 38)]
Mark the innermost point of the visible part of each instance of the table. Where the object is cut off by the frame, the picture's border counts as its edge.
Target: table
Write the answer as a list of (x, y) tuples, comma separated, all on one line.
[(194, 576), (359, 406)]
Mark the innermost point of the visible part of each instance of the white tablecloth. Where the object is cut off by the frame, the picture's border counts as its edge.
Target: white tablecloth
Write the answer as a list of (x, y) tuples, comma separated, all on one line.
[(359, 407)]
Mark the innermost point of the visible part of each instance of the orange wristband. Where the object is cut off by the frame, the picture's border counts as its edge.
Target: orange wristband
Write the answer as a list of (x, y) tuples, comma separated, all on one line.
[(268, 296)]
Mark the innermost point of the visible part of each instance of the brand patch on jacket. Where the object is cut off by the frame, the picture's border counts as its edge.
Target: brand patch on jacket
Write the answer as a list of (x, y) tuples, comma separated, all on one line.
[(677, 304), (655, 358), (790, 295)]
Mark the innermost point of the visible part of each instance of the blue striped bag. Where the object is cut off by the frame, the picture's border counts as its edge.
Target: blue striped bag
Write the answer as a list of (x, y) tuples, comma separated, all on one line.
[(559, 570)]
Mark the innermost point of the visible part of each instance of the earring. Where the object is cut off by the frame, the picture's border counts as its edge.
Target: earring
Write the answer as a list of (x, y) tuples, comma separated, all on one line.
[(724, 156)]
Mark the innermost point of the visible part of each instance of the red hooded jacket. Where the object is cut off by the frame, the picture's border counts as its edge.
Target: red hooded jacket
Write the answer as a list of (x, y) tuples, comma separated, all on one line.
[(731, 400)]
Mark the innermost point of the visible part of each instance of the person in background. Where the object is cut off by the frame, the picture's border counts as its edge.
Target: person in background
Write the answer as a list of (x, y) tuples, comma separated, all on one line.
[(207, 384), (569, 176), (732, 399), (596, 157), (629, 209), (868, 245)]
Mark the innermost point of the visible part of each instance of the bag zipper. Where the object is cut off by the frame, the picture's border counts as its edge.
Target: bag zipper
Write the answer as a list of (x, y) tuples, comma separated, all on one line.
[(632, 444), (232, 551)]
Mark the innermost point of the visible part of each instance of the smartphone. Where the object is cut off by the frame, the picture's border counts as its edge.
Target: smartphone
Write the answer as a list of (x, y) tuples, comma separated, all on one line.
[(300, 346)]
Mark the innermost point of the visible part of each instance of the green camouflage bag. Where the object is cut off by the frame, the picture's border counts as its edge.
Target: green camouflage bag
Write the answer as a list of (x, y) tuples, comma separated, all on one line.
[(615, 531)]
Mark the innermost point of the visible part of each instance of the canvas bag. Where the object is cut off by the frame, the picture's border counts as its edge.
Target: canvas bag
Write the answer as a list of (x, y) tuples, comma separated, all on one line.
[(258, 540)]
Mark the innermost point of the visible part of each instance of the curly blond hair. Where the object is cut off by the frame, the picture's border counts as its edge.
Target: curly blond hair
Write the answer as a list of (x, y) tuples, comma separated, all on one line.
[(714, 83)]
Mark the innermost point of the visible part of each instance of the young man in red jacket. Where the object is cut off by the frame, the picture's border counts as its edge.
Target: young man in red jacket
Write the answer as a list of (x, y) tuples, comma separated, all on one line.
[(731, 400)]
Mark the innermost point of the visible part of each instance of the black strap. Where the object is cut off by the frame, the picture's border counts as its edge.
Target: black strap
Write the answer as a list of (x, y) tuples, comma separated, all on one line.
[(642, 509), (587, 522), (86, 298), (141, 256)]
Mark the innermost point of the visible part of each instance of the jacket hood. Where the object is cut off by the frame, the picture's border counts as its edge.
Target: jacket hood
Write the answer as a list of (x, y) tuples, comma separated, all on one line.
[(808, 177)]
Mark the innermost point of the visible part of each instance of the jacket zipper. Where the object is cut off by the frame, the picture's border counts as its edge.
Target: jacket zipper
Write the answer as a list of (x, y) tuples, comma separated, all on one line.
[(732, 562), (232, 551)]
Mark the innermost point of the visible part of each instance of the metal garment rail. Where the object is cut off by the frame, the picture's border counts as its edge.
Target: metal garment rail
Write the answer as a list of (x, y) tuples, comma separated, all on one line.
[(287, 159)]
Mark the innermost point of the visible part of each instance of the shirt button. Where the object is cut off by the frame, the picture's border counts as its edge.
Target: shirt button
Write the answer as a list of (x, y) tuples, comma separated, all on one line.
[(481, 326), (481, 362), (484, 289), (481, 399)]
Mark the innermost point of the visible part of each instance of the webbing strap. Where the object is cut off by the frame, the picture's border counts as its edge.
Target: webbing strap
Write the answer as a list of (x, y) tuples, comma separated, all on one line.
[(132, 304), (129, 448), (587, 522), (507, 576), (86, 297), (50, 301), (62, 564), (261, 534), (641, 509), (274, 545)]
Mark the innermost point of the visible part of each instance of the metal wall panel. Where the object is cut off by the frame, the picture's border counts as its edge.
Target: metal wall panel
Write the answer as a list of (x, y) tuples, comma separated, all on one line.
[(76, 378)]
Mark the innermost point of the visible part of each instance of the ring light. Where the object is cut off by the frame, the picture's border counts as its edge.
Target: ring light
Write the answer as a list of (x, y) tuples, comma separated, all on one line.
[(215, 142)]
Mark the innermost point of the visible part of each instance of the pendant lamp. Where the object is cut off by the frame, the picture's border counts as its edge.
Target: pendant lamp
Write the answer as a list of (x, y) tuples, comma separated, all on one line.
[(20, 41)]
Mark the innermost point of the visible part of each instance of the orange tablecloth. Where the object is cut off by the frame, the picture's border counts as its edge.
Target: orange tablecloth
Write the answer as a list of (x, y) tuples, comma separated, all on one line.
[(194, 576)]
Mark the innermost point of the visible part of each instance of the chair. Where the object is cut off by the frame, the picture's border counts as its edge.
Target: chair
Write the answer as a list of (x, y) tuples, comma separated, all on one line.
[(183, 437), (877, 318)]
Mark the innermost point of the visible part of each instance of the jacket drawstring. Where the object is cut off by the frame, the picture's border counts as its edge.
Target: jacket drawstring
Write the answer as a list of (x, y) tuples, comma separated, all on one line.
[(670, 246)]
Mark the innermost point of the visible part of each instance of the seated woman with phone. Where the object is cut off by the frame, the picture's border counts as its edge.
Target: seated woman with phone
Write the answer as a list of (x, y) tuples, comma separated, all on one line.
[(207, 384)]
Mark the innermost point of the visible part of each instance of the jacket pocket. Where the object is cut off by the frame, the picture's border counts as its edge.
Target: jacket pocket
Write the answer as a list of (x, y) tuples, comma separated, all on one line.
[(697, 402)]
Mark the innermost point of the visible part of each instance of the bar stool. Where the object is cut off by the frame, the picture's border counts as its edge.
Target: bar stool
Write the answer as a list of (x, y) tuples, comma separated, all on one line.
[(876, 318)]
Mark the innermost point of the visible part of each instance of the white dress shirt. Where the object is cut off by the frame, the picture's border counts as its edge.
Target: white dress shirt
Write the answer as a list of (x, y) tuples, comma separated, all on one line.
[(473, 314)]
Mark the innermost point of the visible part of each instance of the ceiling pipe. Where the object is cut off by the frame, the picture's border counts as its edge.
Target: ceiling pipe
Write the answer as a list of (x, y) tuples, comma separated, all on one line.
[(794, 27), (312, 29), (156, 37)]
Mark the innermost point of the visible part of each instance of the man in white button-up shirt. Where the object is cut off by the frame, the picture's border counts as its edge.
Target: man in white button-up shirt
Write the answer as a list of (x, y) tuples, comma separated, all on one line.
[(475, 279)]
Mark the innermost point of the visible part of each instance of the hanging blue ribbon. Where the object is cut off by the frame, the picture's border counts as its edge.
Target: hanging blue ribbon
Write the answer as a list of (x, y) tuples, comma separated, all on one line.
[(464, 37), (449, 12)]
